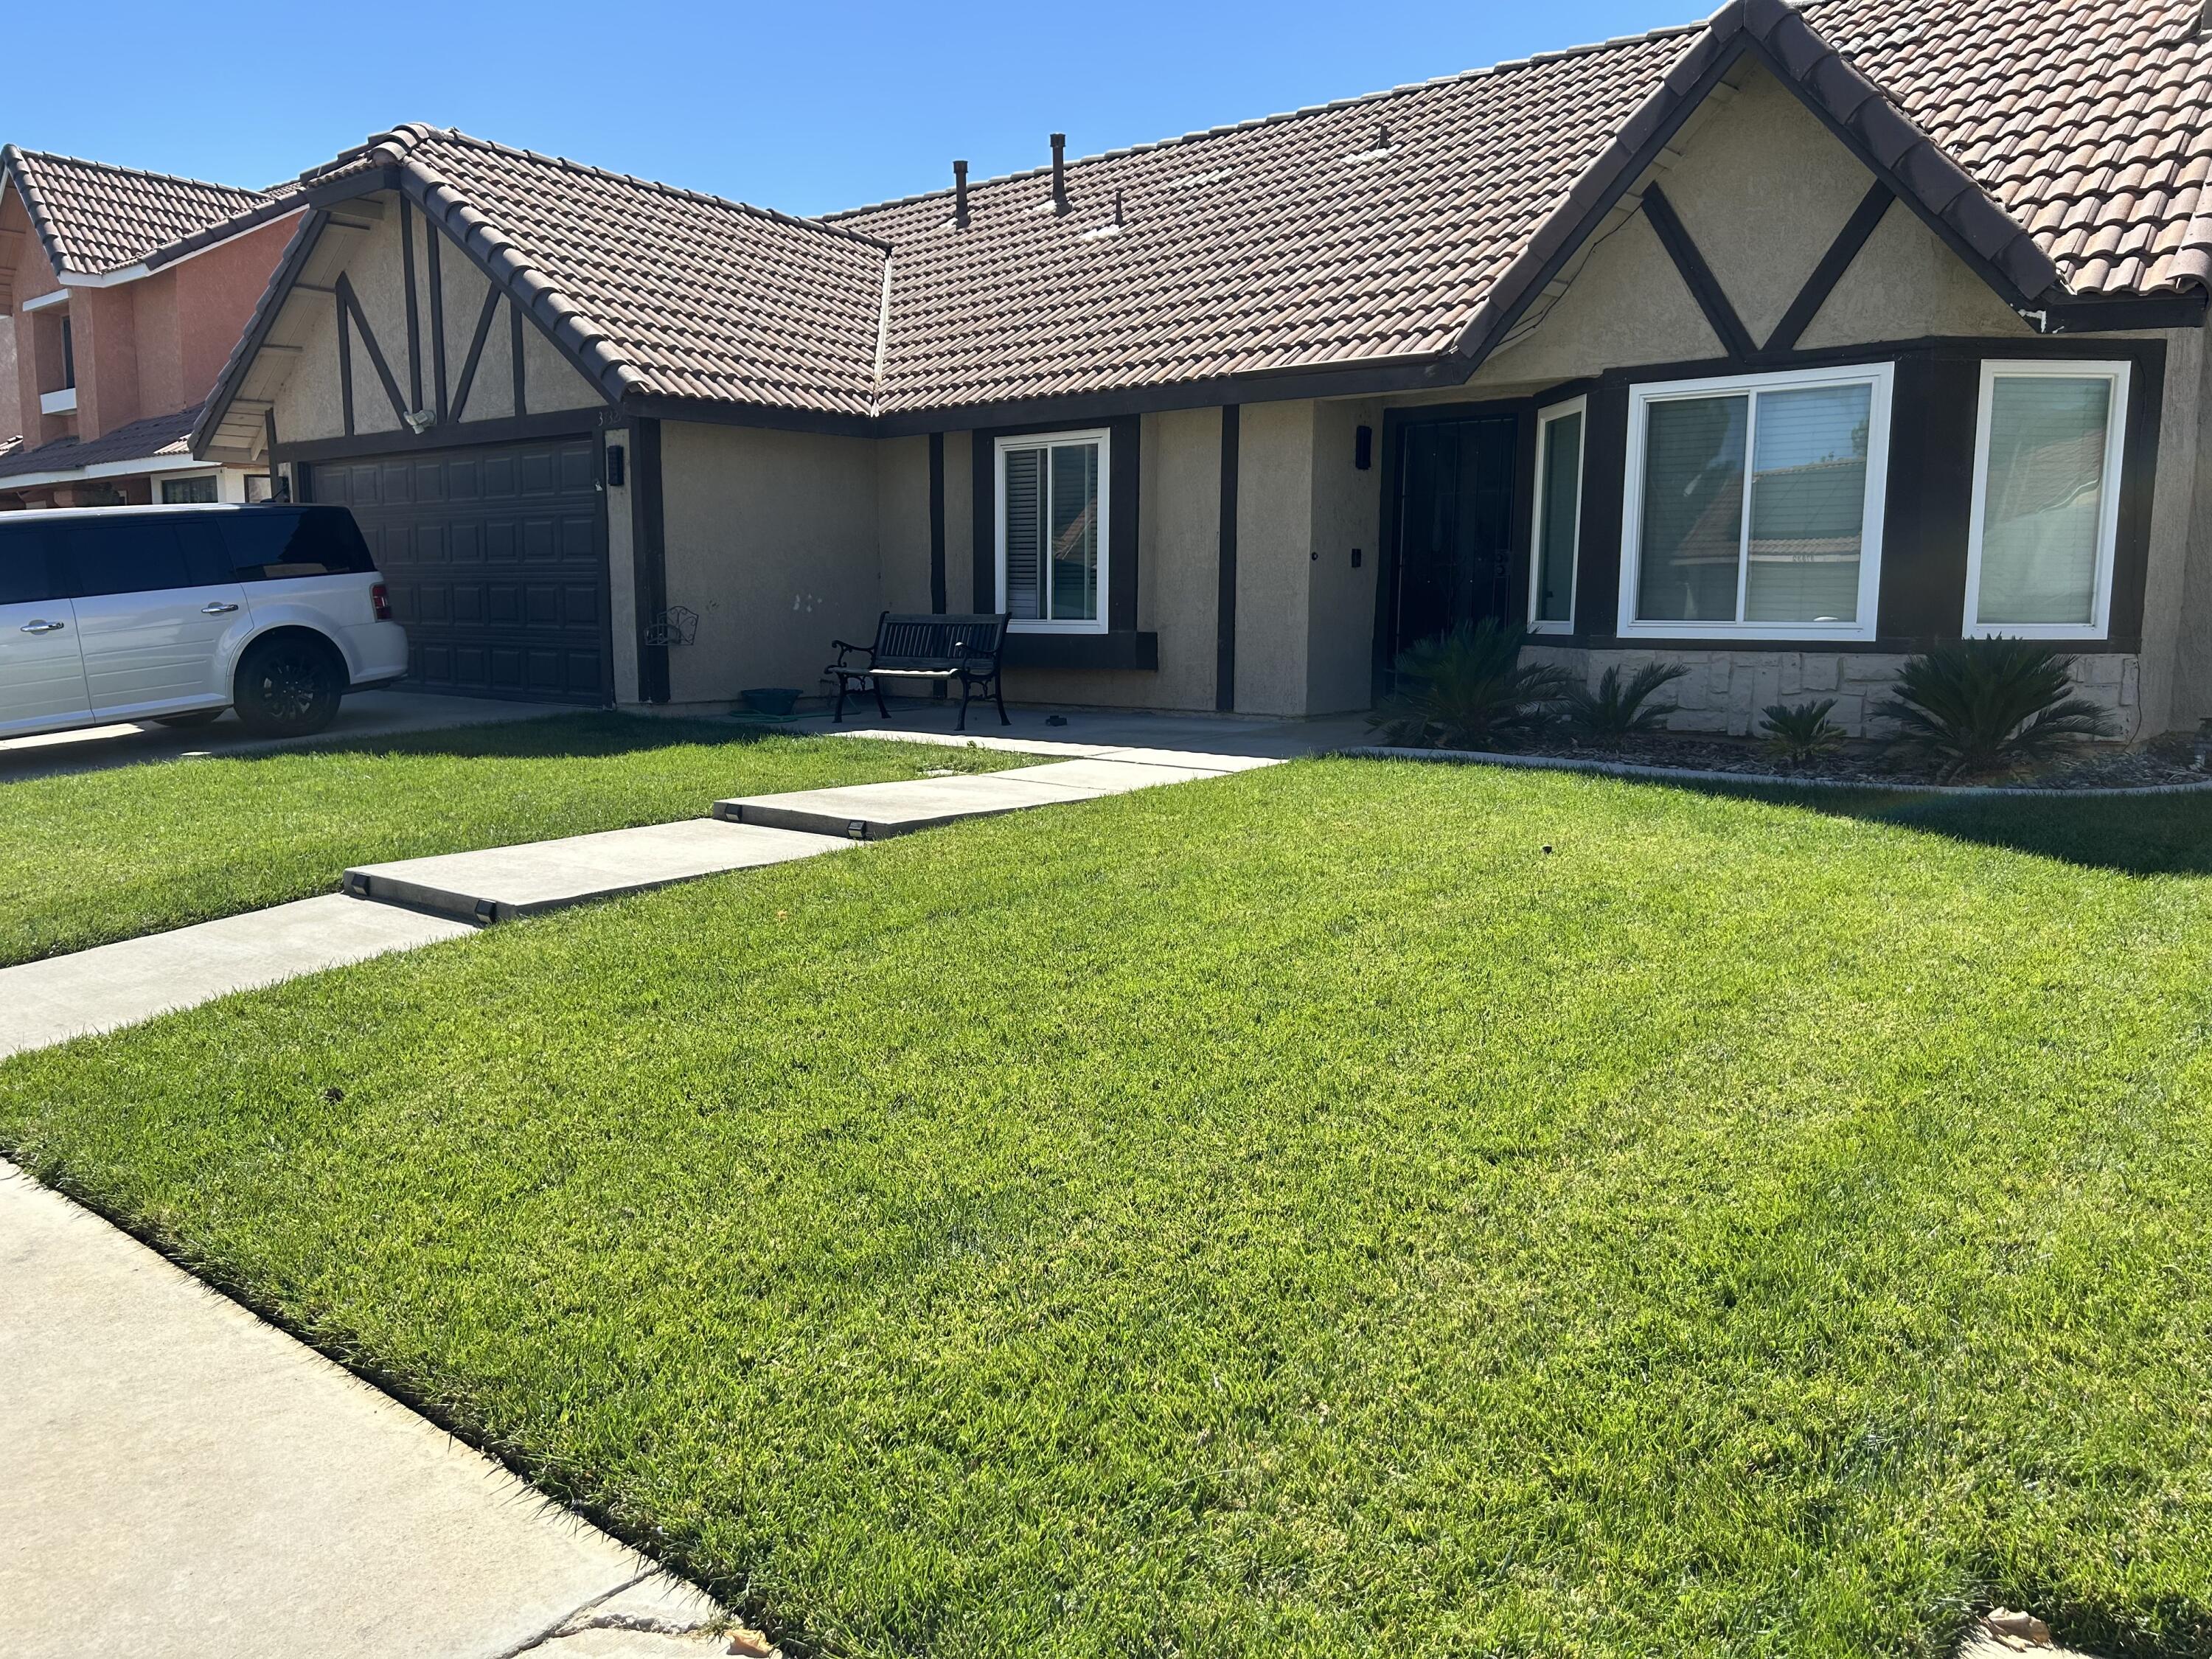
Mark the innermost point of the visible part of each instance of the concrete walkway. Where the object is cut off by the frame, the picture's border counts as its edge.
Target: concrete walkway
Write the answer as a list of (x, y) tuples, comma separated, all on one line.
[(183, 1480), (179, 1479)]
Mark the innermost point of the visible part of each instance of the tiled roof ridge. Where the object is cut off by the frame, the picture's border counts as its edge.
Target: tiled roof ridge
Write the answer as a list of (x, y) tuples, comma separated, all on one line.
[(399, 145), (1618, 42), (139, 173), (12, 159)]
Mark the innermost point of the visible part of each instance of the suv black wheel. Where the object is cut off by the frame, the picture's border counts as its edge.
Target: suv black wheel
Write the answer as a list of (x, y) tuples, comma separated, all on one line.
[(288, 685)]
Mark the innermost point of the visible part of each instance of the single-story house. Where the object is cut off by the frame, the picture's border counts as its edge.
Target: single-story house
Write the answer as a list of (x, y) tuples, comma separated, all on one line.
[(1781, 345), (122, 293)]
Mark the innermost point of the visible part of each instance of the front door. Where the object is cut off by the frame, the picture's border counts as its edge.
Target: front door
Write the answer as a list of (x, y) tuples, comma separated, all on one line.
[(1453, 565)]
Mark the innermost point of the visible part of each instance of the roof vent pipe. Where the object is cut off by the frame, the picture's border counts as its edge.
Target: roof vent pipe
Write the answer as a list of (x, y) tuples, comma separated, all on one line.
[(960, 194), (1117, 207), (1060, 172)]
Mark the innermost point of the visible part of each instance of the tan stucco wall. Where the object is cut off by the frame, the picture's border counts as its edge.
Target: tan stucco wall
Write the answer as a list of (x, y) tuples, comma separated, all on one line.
[(2179, 669), (1905, 284), (771, 537), (308, 403), (902, 525), (1274, 545), (1178, 575), (622, 568), (1763, 188), (1627, 305), (1348, 513)]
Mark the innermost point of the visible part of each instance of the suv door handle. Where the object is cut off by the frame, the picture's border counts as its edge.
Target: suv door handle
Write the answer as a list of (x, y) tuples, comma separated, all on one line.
[(42, 627), (216, 608)]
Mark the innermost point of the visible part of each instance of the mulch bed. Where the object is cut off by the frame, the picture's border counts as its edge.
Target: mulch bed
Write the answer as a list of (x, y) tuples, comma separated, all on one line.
[(2166, 760)]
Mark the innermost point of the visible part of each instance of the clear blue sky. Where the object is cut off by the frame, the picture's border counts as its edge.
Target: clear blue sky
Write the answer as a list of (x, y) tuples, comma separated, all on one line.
[(803, 106)]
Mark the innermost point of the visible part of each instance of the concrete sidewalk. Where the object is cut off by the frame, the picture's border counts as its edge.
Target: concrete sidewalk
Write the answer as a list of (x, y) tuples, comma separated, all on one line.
[(183, 1480)]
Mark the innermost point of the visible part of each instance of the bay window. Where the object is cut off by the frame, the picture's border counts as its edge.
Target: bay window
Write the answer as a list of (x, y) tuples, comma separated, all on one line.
[(1557, 536), (1754, 505), (2046, 499), (1052, 531)]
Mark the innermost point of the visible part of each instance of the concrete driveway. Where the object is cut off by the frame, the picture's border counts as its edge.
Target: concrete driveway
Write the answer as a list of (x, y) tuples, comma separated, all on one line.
[(367, 714)]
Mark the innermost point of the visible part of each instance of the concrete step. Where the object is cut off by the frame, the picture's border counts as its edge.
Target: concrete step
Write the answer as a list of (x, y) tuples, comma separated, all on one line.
[(500, 882), (134, 979), (877, 811)]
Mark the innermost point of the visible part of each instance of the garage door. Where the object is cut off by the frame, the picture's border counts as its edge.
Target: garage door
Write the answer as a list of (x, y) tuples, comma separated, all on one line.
[(496, 562)]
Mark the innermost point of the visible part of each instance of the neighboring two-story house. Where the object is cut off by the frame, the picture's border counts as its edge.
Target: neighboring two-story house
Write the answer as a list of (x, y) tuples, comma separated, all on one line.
[(121, 294)]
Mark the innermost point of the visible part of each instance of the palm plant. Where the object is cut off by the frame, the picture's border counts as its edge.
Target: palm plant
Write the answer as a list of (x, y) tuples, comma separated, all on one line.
[(1470, 690), (1978, 705), (1615, 710), (1801, 732)]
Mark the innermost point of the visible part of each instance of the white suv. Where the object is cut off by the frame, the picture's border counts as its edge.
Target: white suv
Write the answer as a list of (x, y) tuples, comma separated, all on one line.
[(177, 613)]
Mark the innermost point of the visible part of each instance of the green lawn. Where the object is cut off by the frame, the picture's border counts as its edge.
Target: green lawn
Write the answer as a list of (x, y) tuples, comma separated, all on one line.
[(1293, 1214), (105, 856)]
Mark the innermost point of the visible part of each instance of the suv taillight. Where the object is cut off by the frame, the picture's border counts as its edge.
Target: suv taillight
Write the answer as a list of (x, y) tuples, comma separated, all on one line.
[(380, 601)]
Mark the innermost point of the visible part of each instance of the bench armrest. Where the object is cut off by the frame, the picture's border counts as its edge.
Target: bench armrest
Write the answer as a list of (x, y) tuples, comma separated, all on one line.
[(843, 647)]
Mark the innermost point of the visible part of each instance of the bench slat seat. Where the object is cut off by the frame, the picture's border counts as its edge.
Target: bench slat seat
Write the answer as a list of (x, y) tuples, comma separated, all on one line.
[(964, 648)]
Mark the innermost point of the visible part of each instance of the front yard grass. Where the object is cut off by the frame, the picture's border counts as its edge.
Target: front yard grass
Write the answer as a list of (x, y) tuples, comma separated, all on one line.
[(97, 856), (1294, 1214)]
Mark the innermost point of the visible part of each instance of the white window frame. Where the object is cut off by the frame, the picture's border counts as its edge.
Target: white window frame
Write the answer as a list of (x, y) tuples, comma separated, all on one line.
[(1881, 377), (2108, 509), (1545, 417), (1103, 438)]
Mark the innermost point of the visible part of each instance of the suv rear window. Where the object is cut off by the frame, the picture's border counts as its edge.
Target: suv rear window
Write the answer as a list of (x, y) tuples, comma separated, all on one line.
[(268, 544)]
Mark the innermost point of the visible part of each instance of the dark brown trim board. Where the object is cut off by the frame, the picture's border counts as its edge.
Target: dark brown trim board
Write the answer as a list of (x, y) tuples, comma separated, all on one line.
[(414, 308), (475, 349), (1224, 592), (1697, 276), (431, 239), (565, 423), (345, 364), (348, 305), (1834, 263), (649, 556), (514, 355)]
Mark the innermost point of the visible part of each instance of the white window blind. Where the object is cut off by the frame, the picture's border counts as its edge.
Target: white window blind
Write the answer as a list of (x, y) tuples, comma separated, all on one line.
[(1052, 530), (2045, 499)]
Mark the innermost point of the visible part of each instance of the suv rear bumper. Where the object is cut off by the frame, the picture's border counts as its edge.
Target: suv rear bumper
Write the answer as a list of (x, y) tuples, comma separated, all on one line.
[(377, 655)]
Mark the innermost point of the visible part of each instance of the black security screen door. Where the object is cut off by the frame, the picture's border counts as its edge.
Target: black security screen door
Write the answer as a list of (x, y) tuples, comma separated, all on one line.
[(1455, 528)]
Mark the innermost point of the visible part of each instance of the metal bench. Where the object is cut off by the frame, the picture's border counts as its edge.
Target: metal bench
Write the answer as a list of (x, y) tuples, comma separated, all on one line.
[(940, 648)]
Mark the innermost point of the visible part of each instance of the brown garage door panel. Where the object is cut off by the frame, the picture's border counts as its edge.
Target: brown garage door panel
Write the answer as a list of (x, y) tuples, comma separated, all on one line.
[(497, 564)]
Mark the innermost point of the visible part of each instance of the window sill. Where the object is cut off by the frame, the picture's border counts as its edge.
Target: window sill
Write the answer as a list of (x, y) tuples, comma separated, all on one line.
[(57, 402), (1124, 649)]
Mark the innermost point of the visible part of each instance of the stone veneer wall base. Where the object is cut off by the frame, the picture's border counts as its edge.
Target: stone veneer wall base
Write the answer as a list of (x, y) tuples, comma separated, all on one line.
[(1728, 691)]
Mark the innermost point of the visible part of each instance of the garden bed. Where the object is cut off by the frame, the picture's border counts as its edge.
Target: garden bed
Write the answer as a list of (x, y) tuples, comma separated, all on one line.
[(2166, 763)]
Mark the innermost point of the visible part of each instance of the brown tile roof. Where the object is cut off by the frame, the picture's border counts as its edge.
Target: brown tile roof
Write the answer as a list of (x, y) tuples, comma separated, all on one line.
[(660, 291), (1306, 239), (2062, 144), (139, 440), (93, 217)]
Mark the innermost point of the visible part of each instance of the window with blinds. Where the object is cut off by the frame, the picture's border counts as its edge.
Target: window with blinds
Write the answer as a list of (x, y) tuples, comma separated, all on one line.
[(1052, 531), (1755, 505), (1557, 531), (2046, 499)]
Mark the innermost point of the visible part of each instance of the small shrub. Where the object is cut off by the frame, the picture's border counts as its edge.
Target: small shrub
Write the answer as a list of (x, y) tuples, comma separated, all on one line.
[(1470, 690), (1979, 706), (1614, 710), (1798, 732)]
